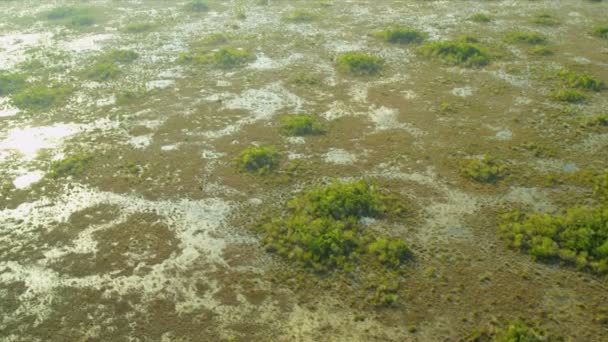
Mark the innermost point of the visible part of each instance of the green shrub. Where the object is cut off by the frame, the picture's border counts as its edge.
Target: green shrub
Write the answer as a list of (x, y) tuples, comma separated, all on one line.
[(301, 125), (127, 97), (322, 229), (305, 79), (540, 50), (401, 35), (38, 96), (359, 64), (120, 56), (102, 71), (300, 16), (11, 82), (600, 188), (486, 170), (61, 13), (517, 331), (213, 39), (581, 81), (594, 121), (601, 31), (457, 53), (139, 27), (545, 19), (72, 16), (197, 6), (531, 38), (226, 58), (262, 160), (569, 95), (71, 166), (579, 236), (480, 18)]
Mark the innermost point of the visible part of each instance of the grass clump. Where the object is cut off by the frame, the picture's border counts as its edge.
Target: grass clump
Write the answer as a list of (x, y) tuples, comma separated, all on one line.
[(120, 56), (540, 50), (39, 97), (301, 125), (485, 170), (512, 332), (531, 38), (197, 6), (225, 58), (213, 39), (72, 16), (139, 27), (545, 19), (261, 160), (569, 95), (596, 121), (102, 71), (300, 16), (401, 35), (580, 81), (358, 63), (578, 236), (71, 166), (457, 53), (480, 18), (11, 82), (601, 31)]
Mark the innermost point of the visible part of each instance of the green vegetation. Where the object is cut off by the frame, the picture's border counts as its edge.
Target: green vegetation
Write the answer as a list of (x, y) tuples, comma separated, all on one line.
[(601, 31), (102, 71), (127, 97), (262, 160), (226, 58), (545, 19), (71, 166), (596, 121), (197, 6), (569, 95), (213, 39), (579, 236), (517, 331), (457, 53), (139, 27), (72, 16), (401, 35), (305, 79), (600, 187), (301, 125), (480, 18), (300, 16), (486, 170), (580, 81), (358, 63), (540, 50), (38, 96), (531, 38), (120, 56), (11, 82)]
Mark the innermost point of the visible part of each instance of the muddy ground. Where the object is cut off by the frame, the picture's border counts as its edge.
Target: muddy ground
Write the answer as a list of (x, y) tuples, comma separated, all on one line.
[(152, 241)]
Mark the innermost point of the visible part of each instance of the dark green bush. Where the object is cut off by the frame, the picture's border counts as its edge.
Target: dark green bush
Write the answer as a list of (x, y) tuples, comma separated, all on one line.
[(197, 6), (70, 166), (486, 170), (261, 160), (401, 35), (301, 125), (545, 19), (358, 63), (526, 37), (11, 82), (457, 53), (73, 16), (601, 31), (139, 27), (579, 236), (225, 58), (480, 18), (120, 56), (569, 95), (38, 96), (517, 331), (582, 81), (102, 71)]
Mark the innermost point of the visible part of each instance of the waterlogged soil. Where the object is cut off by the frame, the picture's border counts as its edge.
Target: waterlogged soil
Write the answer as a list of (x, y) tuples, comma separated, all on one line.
[(153, 239)]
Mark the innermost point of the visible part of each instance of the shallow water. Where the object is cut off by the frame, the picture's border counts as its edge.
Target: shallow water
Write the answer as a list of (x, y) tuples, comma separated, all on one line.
[(154, 239)]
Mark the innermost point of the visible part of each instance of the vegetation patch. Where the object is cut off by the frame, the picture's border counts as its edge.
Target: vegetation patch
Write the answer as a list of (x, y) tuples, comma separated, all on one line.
[(485, 170), (401, 35), (38, 96), (545, 19), (601, 31), (213, 39), (569, 95), (120, 56), (541, 50), (139, 27), (102, 71), (581, 81), (480, 18), (595, 121), (11, 82), (512, 332), (197, 6), (531, 38), (301, 125), (225, 58), (72, 16), (457, 53), (261, 160), (358, 63), (71, 166), (322, 232), (300, 16)]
